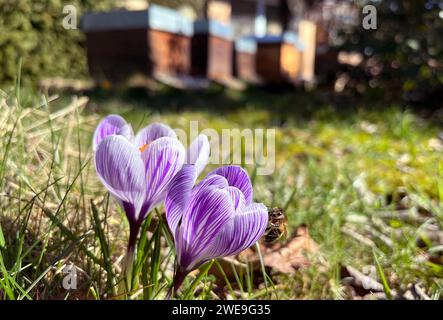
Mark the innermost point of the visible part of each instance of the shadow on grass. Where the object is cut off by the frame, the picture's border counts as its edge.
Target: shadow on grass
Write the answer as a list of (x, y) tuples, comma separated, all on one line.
[(283, 103)]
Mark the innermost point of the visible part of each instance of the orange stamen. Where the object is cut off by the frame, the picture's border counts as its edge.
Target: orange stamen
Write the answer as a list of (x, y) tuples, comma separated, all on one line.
[(143, 148)]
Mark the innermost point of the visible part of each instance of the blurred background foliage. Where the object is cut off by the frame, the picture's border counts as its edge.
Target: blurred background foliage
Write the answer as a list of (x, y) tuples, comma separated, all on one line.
[(404, 55), (33, 31)]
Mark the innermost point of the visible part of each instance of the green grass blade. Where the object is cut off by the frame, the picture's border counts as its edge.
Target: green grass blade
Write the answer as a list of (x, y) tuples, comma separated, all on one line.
[(382, 276), (104, 246), (204, 270)]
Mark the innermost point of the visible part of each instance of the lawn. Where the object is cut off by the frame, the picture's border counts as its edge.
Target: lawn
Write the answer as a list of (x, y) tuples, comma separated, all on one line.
[(365, 181)]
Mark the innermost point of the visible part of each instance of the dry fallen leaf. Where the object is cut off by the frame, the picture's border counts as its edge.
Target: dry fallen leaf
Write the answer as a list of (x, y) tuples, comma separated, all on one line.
[(289, 256), (286, 257)]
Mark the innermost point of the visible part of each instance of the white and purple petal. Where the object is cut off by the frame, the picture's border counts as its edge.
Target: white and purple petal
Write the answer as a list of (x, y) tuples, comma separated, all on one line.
[(111, 125), (237, 177), (206, 215), (198, 153), (237, 198), (153, 132), (249, 226), (122, 171), (210, 181), (163, 158), (178, 195), (241, 232)]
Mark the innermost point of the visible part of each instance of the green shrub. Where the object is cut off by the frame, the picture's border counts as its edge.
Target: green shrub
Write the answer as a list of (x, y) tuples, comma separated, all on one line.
[(33, 31), (404, 54)]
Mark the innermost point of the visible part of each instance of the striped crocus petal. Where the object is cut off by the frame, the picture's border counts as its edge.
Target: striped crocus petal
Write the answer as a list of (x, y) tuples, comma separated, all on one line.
[(163, 159), (178, 195), (246, 228), (112, 124), (237, 177), (198, 153), (208, 211), (237, 197), (122, 171), (182, 189), (151, 133)]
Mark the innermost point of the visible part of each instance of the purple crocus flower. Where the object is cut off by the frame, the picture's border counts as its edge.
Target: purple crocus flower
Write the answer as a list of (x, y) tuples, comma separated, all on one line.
[(138, 169), (216, 218)]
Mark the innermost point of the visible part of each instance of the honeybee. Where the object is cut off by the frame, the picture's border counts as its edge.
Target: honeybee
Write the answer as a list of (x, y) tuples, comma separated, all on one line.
[(276, 226)]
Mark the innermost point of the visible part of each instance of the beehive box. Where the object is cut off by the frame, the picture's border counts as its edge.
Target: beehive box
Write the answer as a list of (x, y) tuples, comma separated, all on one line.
[(245, 59), (218, 10), (151, 42), (308, 35), (212, 47), (279, 58)]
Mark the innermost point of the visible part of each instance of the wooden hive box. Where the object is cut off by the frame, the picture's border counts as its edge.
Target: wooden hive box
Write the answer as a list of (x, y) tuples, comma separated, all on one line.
[(245, 59), (218, 10), (212, 47), (121, 44), (279, 58), (308, 34)]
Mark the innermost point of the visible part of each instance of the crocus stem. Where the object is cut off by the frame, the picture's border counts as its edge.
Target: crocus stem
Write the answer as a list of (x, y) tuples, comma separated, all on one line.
[(124, 287), (133, 233), (128, 262), (176, 284)]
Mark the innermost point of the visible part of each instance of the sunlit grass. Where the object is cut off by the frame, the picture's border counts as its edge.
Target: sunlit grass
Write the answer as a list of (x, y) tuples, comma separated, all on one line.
[(339, 173)]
